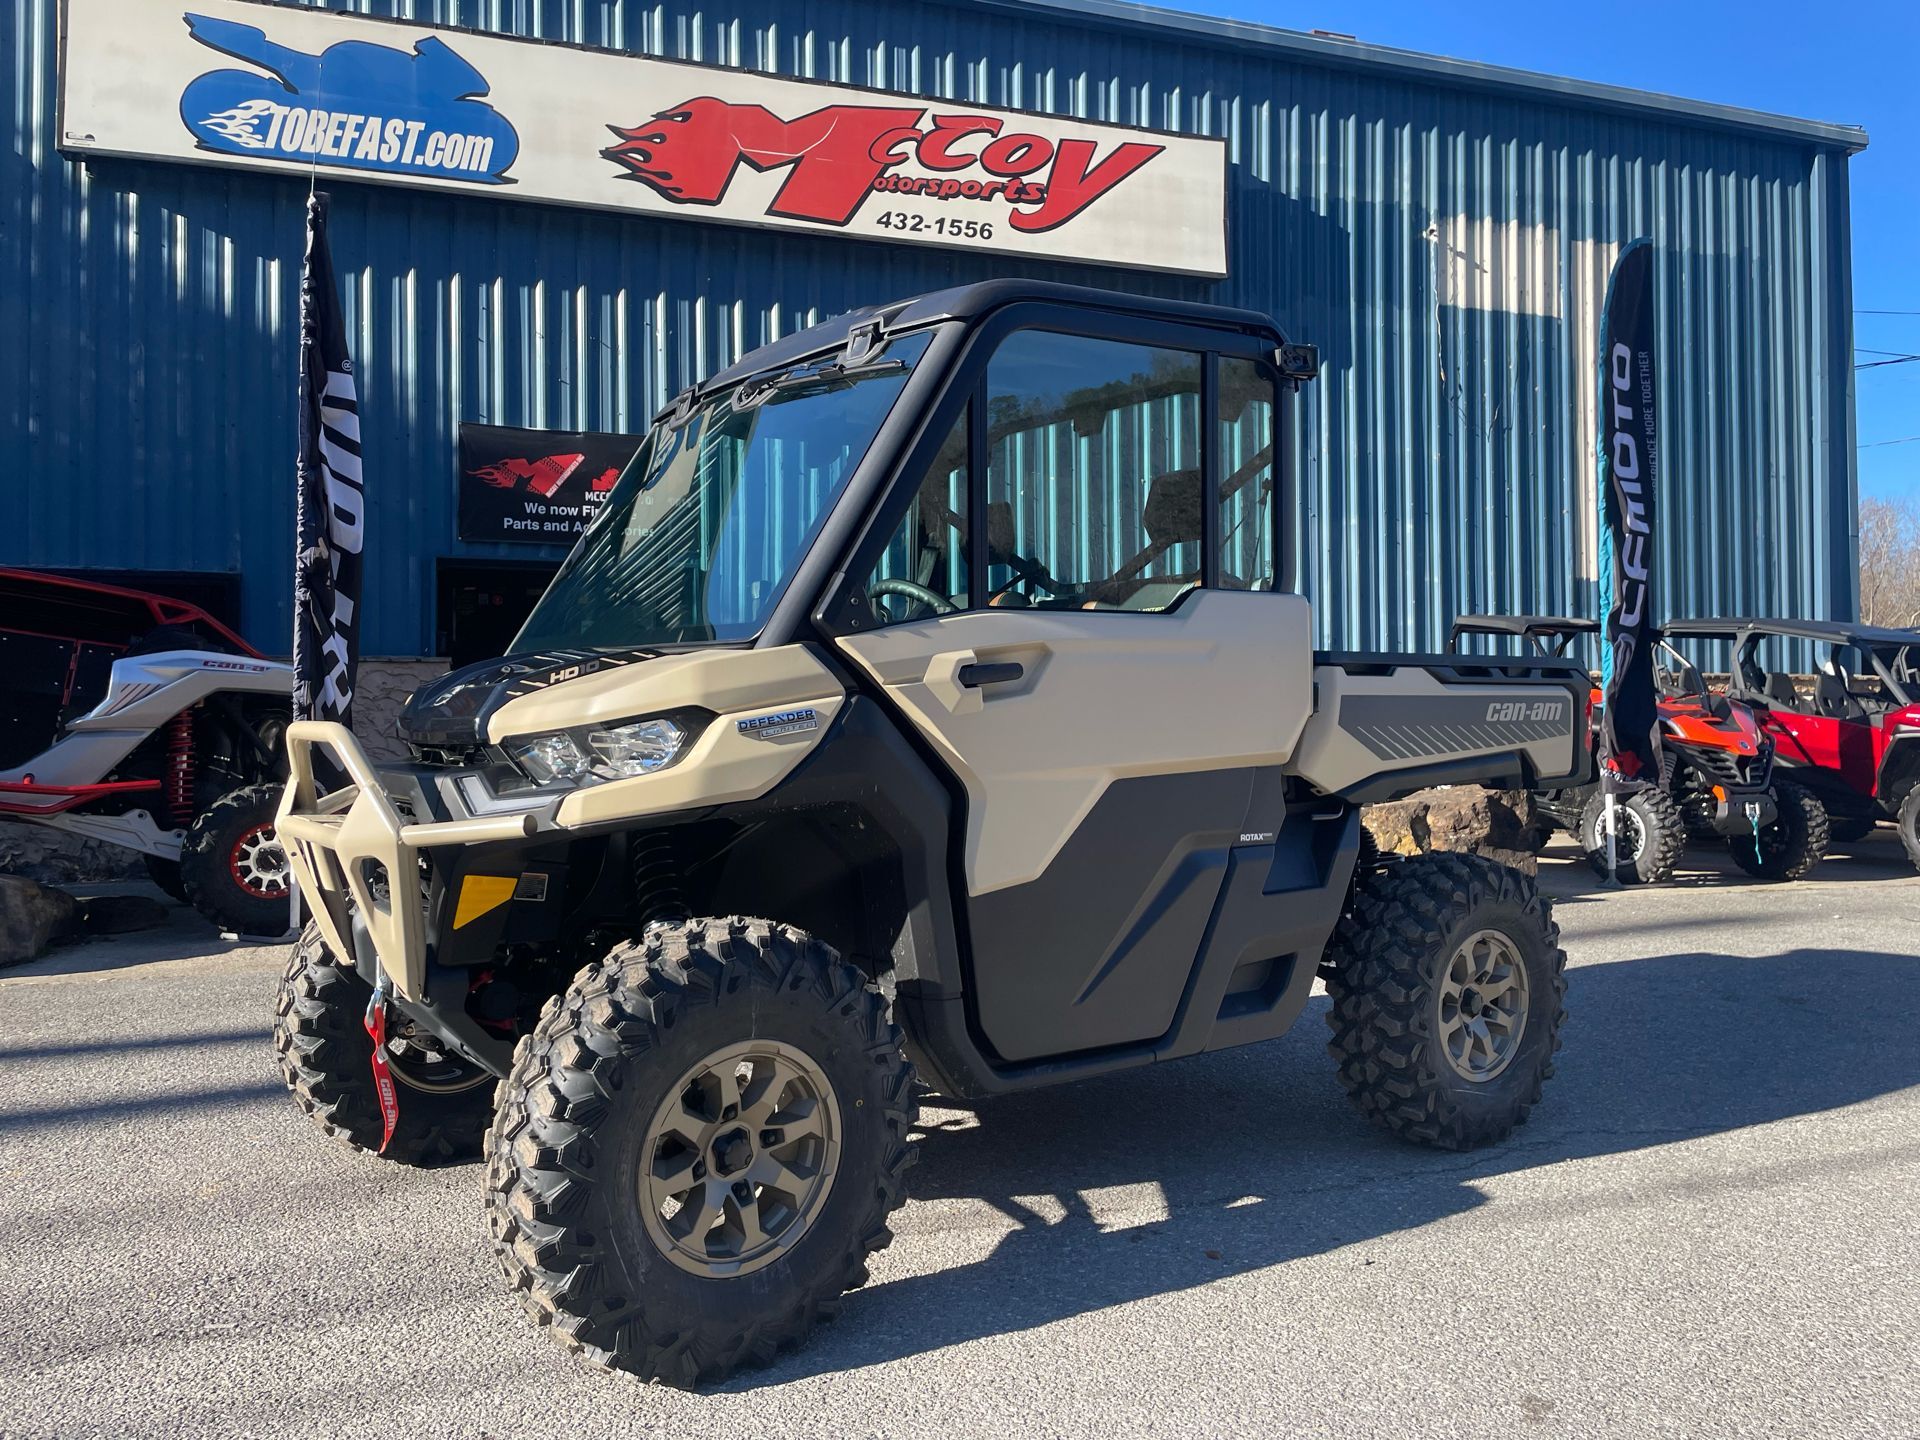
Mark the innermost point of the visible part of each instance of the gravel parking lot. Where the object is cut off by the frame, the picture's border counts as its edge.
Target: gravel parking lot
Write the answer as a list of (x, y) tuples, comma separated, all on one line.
[(1707, 1227)]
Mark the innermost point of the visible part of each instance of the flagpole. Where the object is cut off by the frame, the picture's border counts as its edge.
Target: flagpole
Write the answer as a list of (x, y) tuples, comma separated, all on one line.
[(313, 190)]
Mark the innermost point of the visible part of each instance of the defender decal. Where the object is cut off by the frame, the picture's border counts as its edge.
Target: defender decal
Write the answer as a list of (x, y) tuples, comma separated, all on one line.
[(781, 722)]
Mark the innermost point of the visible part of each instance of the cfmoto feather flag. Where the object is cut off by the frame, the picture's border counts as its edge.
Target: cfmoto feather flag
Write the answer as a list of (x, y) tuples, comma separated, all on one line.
[(1629, 471), (330, 513)]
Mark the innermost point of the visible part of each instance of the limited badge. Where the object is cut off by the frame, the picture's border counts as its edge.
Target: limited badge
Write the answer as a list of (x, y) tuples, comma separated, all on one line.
[(781, 722)]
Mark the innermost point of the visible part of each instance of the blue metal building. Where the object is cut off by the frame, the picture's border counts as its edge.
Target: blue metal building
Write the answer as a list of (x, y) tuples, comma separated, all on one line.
[(1441, 230)]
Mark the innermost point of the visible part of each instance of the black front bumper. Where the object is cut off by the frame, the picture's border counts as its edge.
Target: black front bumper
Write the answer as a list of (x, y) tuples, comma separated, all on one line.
[(1742, 812)]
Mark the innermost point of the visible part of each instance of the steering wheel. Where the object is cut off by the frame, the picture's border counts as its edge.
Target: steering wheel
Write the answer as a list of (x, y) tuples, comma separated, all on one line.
[(908, 590)]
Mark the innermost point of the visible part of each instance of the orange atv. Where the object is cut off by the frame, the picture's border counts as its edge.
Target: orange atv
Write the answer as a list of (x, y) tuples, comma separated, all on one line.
[(1717, 773)]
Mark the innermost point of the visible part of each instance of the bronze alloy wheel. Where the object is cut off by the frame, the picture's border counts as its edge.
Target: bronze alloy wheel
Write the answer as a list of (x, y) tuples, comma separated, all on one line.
[(739, 1158), (1482, 1004)]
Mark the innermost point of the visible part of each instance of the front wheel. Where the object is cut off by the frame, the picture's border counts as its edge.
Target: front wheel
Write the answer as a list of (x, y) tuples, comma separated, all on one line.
[(1648, 837), (1792, 845), (1448, 985), (698, 1148), (233, 868), (326, 1057)]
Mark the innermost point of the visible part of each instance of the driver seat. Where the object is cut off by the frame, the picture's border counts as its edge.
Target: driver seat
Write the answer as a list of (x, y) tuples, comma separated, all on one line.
[(1680, 681), (1173, 516), (1832, 692)]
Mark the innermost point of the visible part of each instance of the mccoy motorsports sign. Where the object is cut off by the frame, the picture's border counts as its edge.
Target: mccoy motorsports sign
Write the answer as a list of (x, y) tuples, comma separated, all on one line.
[(272, 87)]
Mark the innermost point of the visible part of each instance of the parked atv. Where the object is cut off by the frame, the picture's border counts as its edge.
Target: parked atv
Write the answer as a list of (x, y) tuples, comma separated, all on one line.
[(1852, 736), (1717, 776), (926, 701), (144, 722)]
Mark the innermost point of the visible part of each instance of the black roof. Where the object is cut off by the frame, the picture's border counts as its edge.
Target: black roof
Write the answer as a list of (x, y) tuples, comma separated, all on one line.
[(1524, 625), (1839, 632), (970, 302)]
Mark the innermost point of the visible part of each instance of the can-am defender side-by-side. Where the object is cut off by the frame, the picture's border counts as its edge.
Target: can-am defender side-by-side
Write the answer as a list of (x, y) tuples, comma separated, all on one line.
[(1853, 737), (144, 722), (1718, 780), (927, 702)]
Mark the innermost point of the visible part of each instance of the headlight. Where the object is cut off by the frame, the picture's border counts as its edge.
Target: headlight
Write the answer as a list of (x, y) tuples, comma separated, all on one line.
[(617, 752), (637, 749), (547, 758)]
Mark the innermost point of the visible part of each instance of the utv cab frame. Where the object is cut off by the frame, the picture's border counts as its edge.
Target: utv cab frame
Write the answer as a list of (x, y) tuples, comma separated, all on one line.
[(1854, 737), (928, 699)]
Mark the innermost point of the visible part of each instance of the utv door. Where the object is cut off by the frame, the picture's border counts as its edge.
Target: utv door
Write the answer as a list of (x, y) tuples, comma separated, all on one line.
[(1103, 665)]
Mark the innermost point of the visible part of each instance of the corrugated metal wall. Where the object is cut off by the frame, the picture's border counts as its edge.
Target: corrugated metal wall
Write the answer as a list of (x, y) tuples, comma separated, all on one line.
[(1446, 247)]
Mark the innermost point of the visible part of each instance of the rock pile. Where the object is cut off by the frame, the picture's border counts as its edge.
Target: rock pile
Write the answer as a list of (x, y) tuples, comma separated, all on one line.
[(1499, 824)]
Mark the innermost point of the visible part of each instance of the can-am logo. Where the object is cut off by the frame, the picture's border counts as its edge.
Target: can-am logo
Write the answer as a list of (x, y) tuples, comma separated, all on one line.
[(1538, 710), (356, 104), (838, 155)]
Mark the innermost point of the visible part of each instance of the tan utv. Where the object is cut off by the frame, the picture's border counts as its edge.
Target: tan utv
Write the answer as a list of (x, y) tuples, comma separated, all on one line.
[(927, 705)]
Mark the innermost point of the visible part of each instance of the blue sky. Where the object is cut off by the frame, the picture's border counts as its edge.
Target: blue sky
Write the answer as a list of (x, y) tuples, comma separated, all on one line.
[(1858, 64)]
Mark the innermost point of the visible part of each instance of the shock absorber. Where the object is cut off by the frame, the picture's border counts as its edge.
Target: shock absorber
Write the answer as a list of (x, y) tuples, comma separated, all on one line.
[(658, 893), (180, 769)]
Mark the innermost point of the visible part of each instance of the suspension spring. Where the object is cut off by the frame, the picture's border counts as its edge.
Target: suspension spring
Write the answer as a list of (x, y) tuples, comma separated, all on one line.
[(658, 893), (180, 769)]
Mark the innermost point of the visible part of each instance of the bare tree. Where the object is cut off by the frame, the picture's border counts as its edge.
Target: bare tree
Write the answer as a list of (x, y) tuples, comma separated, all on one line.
[(1889, 562)]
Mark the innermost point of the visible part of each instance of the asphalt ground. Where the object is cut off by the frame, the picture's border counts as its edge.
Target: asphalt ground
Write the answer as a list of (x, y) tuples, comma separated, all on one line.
[(1708, 1227)]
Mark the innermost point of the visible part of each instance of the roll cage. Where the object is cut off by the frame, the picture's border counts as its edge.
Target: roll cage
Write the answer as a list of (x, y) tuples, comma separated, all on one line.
[(1893, 653), (1550, 635)]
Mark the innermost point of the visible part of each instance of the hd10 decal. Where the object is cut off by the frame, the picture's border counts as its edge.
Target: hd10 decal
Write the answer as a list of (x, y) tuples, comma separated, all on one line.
[(274, 87)]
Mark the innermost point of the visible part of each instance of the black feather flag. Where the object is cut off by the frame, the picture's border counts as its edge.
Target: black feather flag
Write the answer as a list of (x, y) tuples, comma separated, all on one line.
[(1629, 471), (331, 514)]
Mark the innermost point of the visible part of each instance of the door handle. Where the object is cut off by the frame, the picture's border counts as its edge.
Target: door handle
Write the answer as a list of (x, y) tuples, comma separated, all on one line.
[(977, 674)]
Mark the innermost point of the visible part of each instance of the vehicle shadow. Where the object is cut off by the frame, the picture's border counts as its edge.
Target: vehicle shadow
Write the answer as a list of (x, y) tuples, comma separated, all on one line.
[(1259, 1161), (1567, 878)]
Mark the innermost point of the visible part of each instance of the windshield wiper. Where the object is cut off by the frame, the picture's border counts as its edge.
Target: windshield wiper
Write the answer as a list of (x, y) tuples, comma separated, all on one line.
[(834, 376)]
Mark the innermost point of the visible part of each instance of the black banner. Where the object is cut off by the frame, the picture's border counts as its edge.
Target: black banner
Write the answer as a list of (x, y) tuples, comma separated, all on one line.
[(537, 487), (330, 513), (1629, 470)]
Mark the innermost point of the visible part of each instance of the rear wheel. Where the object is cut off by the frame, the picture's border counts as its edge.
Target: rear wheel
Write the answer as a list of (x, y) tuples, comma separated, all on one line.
[(233, 867), (166, 874), (1649, 836), (1369, 856), (1792, 845), (326, 1057), (1849, 828), (1448, 982), (1908, 821), (699, 1147)]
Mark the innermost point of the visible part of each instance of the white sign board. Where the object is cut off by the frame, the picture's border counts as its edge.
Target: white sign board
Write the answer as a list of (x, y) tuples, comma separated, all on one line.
[(274, 87)]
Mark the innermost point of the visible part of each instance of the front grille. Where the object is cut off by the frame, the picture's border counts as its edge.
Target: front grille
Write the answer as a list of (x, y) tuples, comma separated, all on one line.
[(449, 757), (1722, 767)]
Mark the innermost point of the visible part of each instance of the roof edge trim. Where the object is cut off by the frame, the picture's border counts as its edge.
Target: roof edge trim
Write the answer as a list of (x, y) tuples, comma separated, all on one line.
[(1434, 69)]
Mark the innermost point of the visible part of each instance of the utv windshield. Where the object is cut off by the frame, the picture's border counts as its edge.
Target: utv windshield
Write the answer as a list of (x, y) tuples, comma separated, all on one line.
[(708, 521)]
